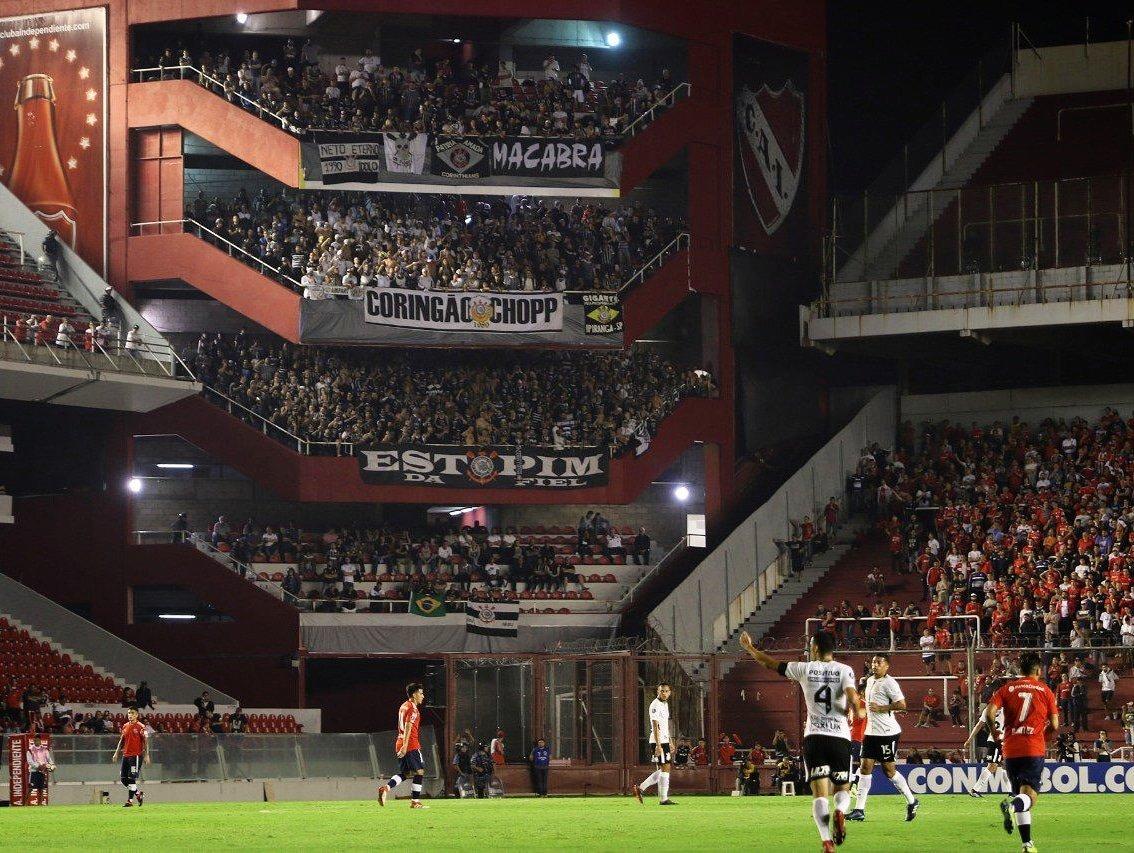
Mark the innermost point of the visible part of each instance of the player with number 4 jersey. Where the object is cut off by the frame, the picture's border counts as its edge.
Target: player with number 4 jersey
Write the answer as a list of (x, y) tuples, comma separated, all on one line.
[(830, 694), (1030, 708)]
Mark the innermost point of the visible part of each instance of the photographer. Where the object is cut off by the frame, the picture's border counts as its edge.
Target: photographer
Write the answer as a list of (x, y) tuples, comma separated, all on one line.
[(482, 768)]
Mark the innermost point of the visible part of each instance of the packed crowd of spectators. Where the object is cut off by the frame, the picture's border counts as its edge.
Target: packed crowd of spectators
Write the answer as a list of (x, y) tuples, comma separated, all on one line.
[(1024, 529), (347, 240), (421, 96), (470, 398), (472, 562)]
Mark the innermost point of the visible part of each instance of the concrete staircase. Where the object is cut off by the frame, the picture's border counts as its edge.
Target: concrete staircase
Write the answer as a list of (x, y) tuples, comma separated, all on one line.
[(761, 621), (907, 222)]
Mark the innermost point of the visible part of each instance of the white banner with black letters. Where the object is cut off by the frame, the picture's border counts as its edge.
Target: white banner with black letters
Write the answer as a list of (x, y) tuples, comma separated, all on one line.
[(463, 312), (347, 157), (492, 618)]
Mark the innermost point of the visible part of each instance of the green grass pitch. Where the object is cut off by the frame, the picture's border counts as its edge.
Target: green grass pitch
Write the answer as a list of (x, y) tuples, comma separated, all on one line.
[(950, 823)]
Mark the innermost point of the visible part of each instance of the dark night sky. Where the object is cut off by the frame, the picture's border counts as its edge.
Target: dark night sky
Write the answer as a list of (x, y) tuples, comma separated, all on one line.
[(891, 65)]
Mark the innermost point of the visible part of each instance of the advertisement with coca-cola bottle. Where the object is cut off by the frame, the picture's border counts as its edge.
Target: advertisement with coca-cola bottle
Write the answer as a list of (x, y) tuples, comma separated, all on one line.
[(53, 143)]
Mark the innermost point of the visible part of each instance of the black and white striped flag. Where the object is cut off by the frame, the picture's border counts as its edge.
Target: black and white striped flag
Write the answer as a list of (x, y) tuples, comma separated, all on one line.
[(492, 619)]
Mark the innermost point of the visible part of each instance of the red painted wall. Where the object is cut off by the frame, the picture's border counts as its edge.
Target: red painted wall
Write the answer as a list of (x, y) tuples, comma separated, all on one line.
[(155, 257), (76, 550), (237, 131)]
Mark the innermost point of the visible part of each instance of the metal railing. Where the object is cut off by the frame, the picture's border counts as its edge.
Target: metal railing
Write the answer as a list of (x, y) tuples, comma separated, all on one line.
[(19, 242), (221, 89), (666, 102), (266, 426), (115, 354), (970, 630), (628, 596), (188, 72), (1026, 226), (681, 241), (138, 229)]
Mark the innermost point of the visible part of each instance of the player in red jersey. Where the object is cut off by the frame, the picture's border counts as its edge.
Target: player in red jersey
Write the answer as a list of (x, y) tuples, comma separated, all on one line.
[(408, 748), (135, 747), (1029, 708)]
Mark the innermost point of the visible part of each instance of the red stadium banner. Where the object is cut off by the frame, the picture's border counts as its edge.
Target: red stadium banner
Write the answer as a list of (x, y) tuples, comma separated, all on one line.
[(53, 148), (770, 167), (18, 775)]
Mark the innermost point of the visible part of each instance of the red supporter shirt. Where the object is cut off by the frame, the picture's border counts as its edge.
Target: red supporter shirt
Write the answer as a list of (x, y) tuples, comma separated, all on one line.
[(409, 721), (1028, 704), (133, 739)]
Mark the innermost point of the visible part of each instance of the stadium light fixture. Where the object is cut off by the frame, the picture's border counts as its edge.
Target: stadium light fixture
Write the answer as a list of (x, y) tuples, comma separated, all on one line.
[(176, 466), (681, 493), (176, 616), (134, 485), (242, 18), (613, 39), (461, 510)]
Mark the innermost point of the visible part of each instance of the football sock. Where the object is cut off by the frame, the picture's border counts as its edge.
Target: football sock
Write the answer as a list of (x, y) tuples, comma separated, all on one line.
[(821, 811), (1024, 824), (903, 788), (133, 789), (863, 790), (663, 787), (416, 791), (394, 782), (842, 801), (1021, 803), (984, 780), (650, 780)]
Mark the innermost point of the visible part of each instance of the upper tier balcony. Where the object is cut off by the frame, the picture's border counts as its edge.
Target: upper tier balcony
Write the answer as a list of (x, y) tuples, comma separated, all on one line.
[(607, 166), (197, 255), (297, 469)]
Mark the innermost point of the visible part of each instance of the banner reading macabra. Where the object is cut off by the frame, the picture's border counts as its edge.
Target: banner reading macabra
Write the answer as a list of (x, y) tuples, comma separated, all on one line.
[(53, 143), (458, 467), (345, 157), (1058, 778)]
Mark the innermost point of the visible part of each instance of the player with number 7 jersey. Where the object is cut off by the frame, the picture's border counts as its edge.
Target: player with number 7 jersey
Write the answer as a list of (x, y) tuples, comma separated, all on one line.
[(1029, 709)]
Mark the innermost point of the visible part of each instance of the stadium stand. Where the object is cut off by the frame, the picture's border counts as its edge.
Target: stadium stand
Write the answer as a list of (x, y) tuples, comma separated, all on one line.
[(318, 240), (285, 82), (559, 399), (33, 308)]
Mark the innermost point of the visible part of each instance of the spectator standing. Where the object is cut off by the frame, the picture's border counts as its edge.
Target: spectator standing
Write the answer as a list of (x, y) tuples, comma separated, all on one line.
[(1108, 681), (482, 767), (541, 761), (40, 763), (700, 754), (1103, 748), (496, 748), (179, 529), (641, 548)]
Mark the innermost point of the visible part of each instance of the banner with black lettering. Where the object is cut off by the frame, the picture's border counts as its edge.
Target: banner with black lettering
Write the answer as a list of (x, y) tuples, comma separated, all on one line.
[(350, 157), (463, 312), (492, 618), (602, 313), (458, 157), (525, 156), (460, 467)]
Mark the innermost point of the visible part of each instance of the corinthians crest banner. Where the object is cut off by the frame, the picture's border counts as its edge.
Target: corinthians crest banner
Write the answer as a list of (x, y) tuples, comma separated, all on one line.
[(456, 467), (463, 312), (770, 104)]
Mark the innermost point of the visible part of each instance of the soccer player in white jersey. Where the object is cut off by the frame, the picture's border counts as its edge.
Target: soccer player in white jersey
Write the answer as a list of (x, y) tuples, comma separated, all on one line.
[(659, 748), (989, 744), (828, 688), (883, 698)]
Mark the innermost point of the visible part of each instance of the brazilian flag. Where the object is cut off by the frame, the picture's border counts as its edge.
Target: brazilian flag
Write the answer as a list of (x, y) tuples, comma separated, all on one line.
[(426, 604)]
